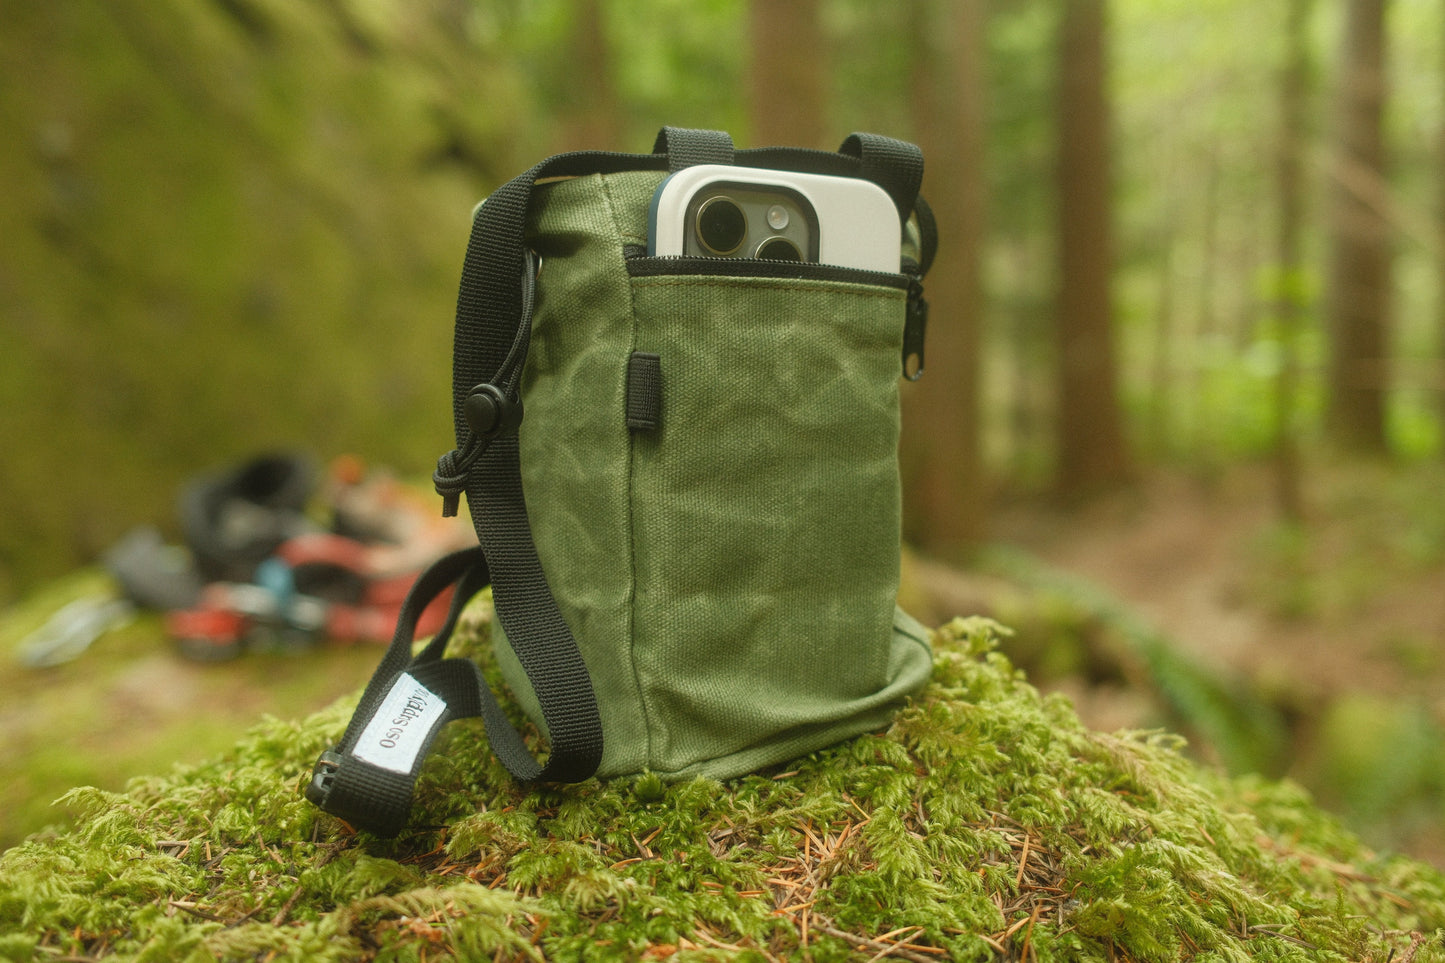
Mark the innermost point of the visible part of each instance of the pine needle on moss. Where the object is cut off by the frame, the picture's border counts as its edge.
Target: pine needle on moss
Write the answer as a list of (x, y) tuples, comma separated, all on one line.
[(986, 824)]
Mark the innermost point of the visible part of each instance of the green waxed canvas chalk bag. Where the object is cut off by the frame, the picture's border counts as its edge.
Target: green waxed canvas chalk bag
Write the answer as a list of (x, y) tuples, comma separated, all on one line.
[(683, 473)]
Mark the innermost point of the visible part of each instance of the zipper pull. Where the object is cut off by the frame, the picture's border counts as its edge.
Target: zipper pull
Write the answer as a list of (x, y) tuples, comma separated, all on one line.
[(915, 327)]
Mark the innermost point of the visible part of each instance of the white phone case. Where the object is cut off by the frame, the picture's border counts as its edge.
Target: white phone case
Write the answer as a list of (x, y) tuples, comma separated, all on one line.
[(857, 222)]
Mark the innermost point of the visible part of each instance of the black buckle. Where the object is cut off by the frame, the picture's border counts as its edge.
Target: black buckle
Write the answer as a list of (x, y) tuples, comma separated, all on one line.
[(322, 777)]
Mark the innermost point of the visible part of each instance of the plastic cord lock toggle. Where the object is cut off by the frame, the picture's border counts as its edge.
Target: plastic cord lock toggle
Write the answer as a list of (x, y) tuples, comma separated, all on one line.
[(489, 412)]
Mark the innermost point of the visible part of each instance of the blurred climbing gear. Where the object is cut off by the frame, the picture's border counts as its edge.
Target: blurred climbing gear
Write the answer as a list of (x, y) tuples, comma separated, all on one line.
[(283, 581), (235, 519), (278, 556)]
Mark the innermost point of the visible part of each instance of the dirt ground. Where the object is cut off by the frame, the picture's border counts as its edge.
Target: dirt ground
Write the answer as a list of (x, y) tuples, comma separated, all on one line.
[(1338, 622), (1194, 558)]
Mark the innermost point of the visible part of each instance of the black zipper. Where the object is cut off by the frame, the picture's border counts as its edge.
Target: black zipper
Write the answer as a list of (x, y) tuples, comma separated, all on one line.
[(915, 328), (642, 265)]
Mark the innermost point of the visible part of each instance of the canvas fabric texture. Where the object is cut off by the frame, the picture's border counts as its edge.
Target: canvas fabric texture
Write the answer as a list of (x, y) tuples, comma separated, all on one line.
[(731, 574)]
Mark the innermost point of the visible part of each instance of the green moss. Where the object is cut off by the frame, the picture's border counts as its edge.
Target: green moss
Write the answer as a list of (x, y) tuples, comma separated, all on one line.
[(986, 823)]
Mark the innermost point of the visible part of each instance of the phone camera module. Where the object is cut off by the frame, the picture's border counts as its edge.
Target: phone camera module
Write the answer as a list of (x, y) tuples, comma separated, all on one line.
[(779, 249), (721, 225)]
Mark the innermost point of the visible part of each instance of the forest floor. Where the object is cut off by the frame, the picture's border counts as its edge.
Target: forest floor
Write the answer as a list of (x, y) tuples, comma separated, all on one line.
[(1212, 567), (1338, 624)]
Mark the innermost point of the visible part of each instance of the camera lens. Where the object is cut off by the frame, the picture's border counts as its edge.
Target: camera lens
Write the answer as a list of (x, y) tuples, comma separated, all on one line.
[(779, 249), (721, 225)]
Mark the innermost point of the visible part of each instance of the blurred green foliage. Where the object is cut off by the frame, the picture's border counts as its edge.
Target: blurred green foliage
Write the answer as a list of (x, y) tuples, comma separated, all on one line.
[(225, 227), (236, 225)]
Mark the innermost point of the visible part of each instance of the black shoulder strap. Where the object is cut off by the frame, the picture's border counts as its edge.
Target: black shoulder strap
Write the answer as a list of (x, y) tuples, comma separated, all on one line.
[(368, 777)]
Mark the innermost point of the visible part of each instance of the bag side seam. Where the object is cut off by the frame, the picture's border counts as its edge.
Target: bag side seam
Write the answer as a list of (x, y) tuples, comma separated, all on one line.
[(631, 513)]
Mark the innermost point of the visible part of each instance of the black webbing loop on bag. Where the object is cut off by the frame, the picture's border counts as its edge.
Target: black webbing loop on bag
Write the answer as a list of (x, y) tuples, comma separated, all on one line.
[(894, 165), (368, 777), (927, 234), (688, 146)]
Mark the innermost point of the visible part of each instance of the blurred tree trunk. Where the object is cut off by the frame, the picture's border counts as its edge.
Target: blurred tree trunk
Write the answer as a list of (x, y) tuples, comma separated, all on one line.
[(1440, 278), (1290, 293), (1162, 363), (593, 120), (1358, 281), (1028, 329), (941, 411), (1091, 450), (787, 74), (1204, 440)]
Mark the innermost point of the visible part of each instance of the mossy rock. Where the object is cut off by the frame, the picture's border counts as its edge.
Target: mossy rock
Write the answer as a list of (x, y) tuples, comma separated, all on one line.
[(986, 824)]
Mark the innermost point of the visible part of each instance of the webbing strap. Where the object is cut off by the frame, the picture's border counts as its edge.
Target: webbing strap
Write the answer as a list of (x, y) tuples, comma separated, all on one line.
[(894, 165), (685, 147), (368, 777)]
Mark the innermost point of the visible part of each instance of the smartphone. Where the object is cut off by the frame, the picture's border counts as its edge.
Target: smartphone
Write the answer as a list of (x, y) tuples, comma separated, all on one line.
[(715, 210)]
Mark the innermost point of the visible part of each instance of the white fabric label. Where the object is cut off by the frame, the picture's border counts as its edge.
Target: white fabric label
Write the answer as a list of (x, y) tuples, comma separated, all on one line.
[(396, 733)]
